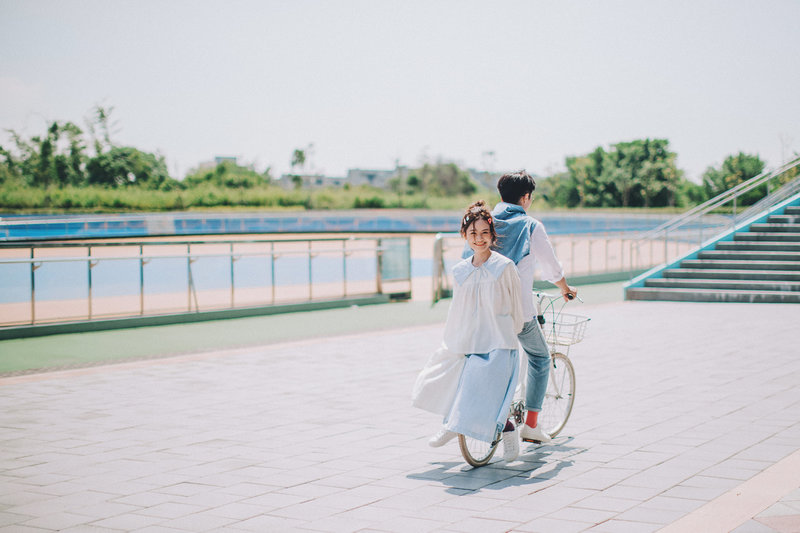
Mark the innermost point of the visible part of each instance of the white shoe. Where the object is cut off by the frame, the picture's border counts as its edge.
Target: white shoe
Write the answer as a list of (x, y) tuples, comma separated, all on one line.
[(536, 434), (441, 438), (510, 445)]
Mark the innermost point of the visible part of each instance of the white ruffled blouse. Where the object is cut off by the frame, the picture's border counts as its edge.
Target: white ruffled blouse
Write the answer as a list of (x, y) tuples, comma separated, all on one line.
[(486, 311)]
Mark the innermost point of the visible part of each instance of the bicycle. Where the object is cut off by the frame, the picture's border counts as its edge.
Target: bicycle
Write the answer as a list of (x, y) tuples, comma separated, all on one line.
[(561, 331)]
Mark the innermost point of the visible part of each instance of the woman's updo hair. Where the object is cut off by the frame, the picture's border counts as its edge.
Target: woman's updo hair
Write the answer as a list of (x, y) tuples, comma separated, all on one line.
[(478, 211)]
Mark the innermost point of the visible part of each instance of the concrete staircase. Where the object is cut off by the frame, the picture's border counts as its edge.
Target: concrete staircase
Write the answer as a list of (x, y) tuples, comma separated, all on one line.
[(759, 264)]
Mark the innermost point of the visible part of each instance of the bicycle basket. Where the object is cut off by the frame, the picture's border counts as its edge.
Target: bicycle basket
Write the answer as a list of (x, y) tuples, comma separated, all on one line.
[(566, 329)]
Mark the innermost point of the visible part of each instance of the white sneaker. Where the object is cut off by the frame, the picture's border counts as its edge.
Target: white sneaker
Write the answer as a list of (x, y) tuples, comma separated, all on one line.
[(510, 445), (536, 434), (441, 438)]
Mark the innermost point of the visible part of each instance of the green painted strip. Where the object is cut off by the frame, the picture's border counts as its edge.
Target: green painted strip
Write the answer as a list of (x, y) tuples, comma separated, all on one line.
[(39, 330)]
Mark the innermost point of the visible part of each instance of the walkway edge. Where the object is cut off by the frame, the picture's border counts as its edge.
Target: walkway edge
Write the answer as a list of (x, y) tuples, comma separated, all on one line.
[(742, 503)]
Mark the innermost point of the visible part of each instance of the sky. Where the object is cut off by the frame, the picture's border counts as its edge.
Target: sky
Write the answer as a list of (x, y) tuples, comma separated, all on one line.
[(371, 84)]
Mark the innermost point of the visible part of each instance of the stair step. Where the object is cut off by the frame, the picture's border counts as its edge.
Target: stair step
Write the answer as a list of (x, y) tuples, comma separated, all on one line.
[(710, 273), (791, 228), (709, 295), (773, 246), (783, 219), (740, 265), (767, 236), (739, 285), (792, 210), (750, 255)]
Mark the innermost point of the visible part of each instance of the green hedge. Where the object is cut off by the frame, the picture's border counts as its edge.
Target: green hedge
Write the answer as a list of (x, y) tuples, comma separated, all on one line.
[(20, 198)]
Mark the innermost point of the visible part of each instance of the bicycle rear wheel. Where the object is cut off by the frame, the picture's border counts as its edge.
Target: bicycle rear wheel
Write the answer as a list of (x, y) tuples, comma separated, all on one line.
[(560, 395), (477, 452)]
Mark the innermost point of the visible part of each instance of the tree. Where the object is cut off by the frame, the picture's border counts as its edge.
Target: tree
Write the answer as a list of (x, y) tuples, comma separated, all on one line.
[(735, 169), (445, 179), (298, 158), (124, 166), (101, 120), (640, 173), (48, 160), (228, 174)]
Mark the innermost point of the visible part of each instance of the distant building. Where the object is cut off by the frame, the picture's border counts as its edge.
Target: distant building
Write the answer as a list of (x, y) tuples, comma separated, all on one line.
[(309, 181), (376, 178), (208, 165)]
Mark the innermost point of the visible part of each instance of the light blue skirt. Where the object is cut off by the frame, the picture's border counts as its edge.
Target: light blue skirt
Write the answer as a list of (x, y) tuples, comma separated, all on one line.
[(484, 394)]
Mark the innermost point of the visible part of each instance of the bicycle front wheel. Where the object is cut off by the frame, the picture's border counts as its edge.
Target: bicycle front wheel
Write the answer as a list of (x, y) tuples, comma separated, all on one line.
[(477, 452), (560, 395)]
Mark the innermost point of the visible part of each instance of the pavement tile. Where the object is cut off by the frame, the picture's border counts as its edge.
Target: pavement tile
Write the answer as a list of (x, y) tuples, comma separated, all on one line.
[(651, 515), (472, 502), (482, 525), (338, 524), (171, 510), (18, 528), (58, 520), (239, 511), (753, 526), (578, 514), (602, 502), (128, 522), (263, 523), (780, 508), (784, 524), (408, 524), (84, 528), (549, 525), (8, 518), (312, 510), (624, 526)]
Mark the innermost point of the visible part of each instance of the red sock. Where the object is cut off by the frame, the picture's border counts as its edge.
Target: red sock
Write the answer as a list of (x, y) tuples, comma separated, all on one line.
[(532, 418)]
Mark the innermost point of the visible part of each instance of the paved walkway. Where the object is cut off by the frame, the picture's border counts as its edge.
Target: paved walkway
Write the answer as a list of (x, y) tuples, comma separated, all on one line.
[(687, 416)]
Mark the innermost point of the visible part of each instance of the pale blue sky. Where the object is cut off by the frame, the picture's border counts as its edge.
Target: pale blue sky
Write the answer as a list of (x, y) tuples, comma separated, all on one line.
[(371, 82)]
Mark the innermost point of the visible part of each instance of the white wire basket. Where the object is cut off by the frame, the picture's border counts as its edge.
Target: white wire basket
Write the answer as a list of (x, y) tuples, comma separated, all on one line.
[(566, 329)]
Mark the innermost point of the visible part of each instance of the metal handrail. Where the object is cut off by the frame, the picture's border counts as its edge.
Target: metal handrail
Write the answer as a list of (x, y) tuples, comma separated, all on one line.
[(68, 259), (382, 247), (678, 230), (722, 198)]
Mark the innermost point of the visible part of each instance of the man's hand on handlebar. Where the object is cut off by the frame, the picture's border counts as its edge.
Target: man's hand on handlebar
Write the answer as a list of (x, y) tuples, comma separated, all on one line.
[(569, 293)]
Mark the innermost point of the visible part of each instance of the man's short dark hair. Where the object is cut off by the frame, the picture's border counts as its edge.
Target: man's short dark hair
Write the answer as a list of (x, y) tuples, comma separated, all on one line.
[(514, 186)]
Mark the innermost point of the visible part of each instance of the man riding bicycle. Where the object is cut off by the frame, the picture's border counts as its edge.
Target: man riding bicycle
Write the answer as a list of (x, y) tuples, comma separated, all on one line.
[(523, 239)]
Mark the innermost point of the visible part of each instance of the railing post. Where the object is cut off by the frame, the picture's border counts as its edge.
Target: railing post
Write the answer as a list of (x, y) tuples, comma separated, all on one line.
[(189, 277), (232, 285), (141, 280), (310, 277), (89, 275), (589, 255), (344, 268), (379, 264), (272, 268), (572, 267), (33, 288)]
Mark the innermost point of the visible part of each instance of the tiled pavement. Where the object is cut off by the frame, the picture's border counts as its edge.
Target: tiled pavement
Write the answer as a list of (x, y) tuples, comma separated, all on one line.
[(678, 405)]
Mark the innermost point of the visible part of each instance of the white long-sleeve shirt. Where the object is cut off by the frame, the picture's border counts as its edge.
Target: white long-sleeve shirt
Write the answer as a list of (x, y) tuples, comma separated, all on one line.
[(543, 256)]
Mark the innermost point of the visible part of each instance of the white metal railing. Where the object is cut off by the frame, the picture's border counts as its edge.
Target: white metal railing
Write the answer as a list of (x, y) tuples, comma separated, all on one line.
[(389, 258), (690, 229), (584, 254)]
